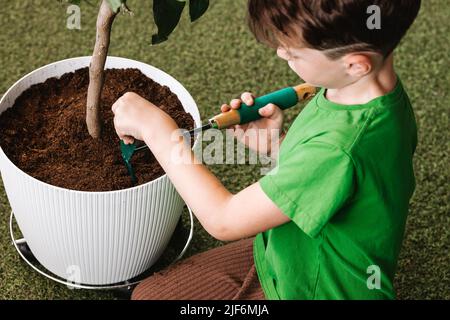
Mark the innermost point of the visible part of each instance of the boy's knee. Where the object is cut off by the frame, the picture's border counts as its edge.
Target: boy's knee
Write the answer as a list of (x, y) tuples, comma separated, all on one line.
[(146, 290), (138, 293)]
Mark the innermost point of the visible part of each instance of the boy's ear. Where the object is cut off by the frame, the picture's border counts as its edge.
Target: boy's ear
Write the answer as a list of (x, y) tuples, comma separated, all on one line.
[(358, 64)]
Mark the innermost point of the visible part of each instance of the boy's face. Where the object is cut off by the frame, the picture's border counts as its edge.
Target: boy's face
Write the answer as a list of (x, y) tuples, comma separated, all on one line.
[(314, 67)]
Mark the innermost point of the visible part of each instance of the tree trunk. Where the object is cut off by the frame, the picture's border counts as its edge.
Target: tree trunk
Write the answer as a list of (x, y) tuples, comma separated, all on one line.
[(96, 69)]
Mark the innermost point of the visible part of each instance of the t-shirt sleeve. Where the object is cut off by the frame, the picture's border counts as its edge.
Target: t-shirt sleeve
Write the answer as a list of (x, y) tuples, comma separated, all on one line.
[(310, 184)]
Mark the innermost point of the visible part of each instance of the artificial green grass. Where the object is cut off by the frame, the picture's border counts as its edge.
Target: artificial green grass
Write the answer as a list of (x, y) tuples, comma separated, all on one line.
[(216, 59)]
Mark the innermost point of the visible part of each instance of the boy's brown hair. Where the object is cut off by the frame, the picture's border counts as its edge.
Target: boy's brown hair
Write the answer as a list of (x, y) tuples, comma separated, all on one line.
[(336, 27)]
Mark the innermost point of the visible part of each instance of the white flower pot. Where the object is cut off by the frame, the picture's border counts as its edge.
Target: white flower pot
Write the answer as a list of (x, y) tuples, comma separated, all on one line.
[(94, 238)]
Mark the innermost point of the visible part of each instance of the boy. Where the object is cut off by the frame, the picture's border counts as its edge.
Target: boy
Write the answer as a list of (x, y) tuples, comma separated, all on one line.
[(329, 220)]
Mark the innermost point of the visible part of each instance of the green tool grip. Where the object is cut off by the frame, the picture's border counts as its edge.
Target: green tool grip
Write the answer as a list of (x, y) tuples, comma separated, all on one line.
[(284, 99)]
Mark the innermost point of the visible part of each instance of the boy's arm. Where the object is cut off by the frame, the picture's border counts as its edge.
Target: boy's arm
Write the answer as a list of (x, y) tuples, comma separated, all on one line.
[(224, 215)]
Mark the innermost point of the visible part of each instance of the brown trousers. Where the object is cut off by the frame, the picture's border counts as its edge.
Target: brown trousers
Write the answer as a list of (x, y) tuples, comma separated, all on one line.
[(224, 273)]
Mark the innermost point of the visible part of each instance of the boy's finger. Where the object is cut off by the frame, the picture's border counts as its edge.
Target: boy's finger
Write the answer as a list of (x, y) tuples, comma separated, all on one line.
[(235, 103), (225, 108), (114, 107), (247, 98), (268, 110)]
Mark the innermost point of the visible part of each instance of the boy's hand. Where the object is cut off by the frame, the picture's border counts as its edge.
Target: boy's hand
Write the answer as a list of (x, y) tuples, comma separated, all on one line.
[(137, 118), (272, 121)]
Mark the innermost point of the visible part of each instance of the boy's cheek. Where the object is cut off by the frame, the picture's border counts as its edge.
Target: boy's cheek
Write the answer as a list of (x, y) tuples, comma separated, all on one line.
[(294, 67), (301, 71), (314, 74)]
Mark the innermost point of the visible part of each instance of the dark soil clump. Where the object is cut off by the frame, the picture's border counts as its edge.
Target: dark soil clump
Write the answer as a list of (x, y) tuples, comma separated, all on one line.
[(45, 132)]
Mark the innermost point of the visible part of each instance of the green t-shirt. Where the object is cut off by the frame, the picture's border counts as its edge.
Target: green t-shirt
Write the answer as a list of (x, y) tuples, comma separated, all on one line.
[(344, 177)]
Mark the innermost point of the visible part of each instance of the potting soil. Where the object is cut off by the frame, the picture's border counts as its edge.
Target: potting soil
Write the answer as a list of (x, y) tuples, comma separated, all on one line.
[(45, 132)]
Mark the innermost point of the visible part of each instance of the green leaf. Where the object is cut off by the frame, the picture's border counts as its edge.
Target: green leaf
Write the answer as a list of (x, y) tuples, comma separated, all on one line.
[(197, 8), (116, 4), (167, 14)]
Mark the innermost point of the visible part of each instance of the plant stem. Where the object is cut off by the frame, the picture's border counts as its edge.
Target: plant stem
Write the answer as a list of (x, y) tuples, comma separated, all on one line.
[(105, 20)]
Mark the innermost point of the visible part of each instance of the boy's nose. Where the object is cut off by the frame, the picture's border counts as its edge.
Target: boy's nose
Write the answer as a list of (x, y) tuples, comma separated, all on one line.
[(282, 53)]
